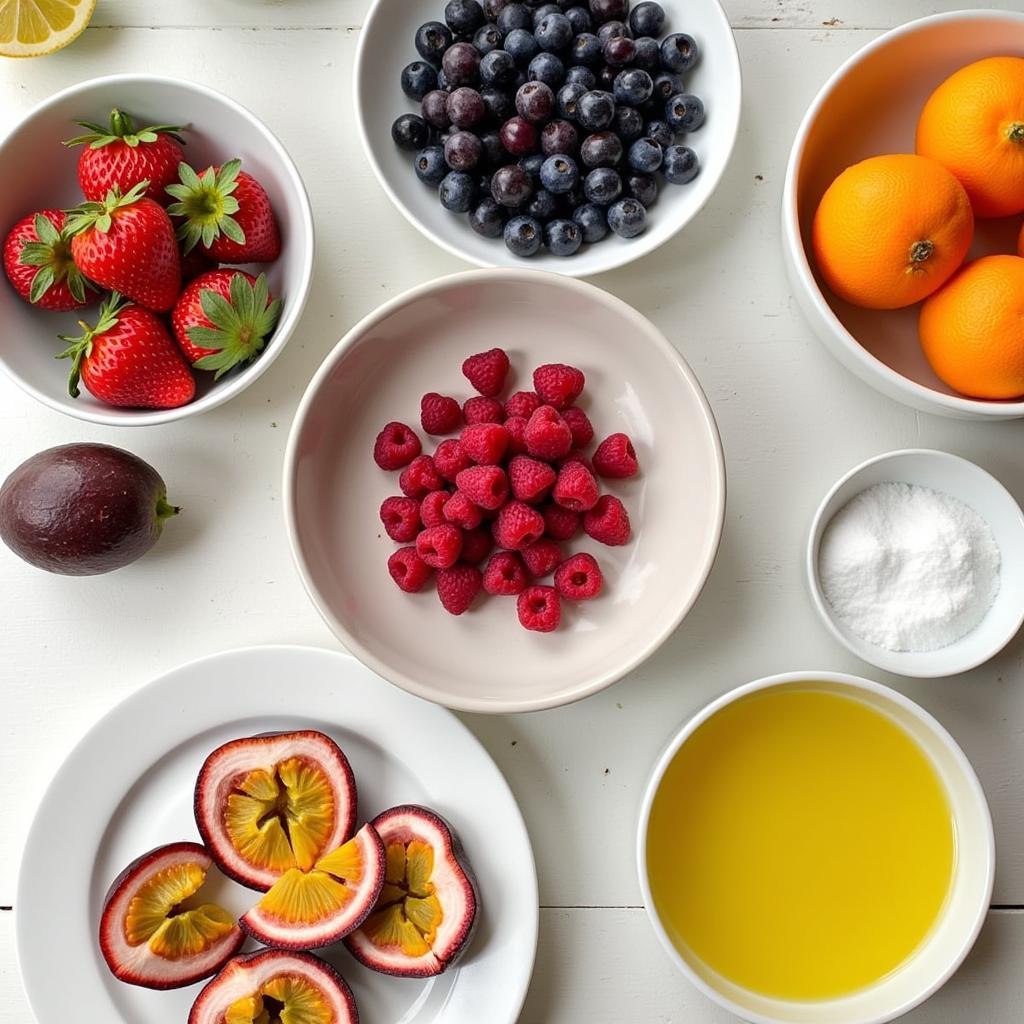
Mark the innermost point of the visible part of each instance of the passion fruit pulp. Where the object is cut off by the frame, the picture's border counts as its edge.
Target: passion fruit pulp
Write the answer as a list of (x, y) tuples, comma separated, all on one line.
[(269, 804), (156, 932), (427, 909), (276, 987)]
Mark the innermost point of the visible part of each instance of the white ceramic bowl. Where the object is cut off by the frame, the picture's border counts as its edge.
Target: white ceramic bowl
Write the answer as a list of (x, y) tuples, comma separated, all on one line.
[(953, 935), (386, 46), (636, 382), (975, 488), (37, 172), (868, 107)]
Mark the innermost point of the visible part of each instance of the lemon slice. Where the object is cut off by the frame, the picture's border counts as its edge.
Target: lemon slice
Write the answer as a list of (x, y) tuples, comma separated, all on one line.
[(32, 28)]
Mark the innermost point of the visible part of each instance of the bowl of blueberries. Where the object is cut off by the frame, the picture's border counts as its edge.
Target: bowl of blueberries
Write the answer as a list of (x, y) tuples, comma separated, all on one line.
[(578, 135)]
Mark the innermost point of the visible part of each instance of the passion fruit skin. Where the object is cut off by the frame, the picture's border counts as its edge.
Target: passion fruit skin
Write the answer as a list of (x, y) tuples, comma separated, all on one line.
[(83, 509)]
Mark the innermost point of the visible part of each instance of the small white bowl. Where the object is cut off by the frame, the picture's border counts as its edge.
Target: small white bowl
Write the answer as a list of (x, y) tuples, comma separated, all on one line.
[(966, 907), (975, 488), (38, 172), (871, 106), (484, 661), (386, 46)]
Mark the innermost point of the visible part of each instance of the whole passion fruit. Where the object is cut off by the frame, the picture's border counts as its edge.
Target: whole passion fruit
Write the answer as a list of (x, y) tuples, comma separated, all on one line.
[(427, 909), (154, 931), (267, 805), (276, 986)]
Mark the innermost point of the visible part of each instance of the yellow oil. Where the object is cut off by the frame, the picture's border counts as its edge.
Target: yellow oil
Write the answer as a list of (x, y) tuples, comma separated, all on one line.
[(801, 845)]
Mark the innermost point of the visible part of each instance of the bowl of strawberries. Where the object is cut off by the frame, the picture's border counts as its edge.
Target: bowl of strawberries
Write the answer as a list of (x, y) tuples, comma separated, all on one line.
[(157, 249)]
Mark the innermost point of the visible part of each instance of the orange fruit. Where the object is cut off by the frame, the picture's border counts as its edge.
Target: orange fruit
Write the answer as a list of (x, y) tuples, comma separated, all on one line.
[(973, 124), (972, 331), (890, 230)]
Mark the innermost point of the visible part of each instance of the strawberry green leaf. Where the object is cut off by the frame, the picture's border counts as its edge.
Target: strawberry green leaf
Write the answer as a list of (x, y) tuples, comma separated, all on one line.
[(205, 205), (43, 281), (122, 129)]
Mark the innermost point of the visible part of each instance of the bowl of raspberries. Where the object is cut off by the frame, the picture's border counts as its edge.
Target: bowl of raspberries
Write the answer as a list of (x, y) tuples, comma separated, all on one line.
[(577, 135), (157, 249), (504, 490)]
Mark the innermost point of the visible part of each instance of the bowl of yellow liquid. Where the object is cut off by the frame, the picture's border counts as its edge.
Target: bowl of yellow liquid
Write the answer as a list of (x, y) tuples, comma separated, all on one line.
[(814, 848)]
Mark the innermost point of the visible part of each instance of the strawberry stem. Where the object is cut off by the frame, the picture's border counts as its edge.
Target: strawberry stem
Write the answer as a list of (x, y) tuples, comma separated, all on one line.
[(122, 129)]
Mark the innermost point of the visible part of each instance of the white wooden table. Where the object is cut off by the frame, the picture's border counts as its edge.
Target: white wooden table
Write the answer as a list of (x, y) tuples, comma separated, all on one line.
[(792, 421)]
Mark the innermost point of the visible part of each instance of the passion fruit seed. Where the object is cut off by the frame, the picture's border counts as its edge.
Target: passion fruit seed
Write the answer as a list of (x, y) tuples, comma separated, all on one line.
[(286, 999), (408, 912)]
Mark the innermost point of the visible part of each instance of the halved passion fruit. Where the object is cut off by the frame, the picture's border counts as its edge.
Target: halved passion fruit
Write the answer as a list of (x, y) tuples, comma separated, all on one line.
[(276, 987), (428, 906), (311, 909), (155, 930), (270, 804)]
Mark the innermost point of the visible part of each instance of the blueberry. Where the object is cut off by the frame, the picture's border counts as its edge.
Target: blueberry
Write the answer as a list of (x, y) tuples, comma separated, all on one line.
[(643, 188), (667, 84), (559, 137), (465, 107), (563, 237), (559, 174), (511, 186), (613, 30), (435, 109), (515, 16), (464, 17), (684, 112), (521, 44), (602, 149), (579, 18), (581, 76), (498, 103), (608, 10), (456, 192), (606, 78), (628, 124), (543, 205), (547, 68), (595, 110), (523, 236), (432, 39), (541, 11), (570, 200), (645, 156), (633, 87), (586, 50), (418, 78), (483, 184), (619, 52), (488, 38), (627, 218), (462, 151), (430, 165), (660, 132), (681, 165), (593, 221), (647, 19), (532, 165), (442, 81), (498, 68), (410, 131), (492, 8), (679, 52), (518, 136), (554, 33), (567, 98), (461, 64), (487, 218), (494, 152), (602, 186), (536, 102)]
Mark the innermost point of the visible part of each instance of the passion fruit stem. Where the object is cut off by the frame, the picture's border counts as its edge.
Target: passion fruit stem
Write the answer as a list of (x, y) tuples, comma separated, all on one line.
[(921, 251), (1015, 133), (164, 510)]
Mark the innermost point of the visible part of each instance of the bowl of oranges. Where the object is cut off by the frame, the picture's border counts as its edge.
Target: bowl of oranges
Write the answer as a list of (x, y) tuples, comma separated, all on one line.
[(903, 210)]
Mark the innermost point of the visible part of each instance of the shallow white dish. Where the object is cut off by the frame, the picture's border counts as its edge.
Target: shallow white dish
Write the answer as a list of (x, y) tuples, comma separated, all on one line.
[(967, 905), (127, 787), (386, 46), (636, 383), (871, 106), (974, 487), (38, 172)]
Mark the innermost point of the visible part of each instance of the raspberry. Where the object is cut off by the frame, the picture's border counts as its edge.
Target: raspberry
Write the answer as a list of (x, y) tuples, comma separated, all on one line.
[(522, 403), (558, 385), (420, 477), (457, 586), (518, 526), (439, 546), (396, 446), (607, 521), (615, 458), (408, 570), (483, 410), (580, 425), (516, 429), (476, 546), (547, 435), (451, 459), (575, 456), (486, 371), (439, 414), (505, 575), (486, 486), (560, 523), (432, 508), (401, 518), (540, 609), (576, 488), (460, 511), (485, 443), (531, 479), (542, 557), (579, 578)]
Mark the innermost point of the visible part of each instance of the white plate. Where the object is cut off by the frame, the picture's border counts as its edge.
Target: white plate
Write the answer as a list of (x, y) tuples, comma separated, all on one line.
[(127, 787)]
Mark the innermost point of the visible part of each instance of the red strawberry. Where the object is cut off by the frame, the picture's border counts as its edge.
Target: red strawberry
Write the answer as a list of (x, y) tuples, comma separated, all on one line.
[(37, 259), (120, 156), (126, 243), (227, 212), (224, 318), (129, 359)]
